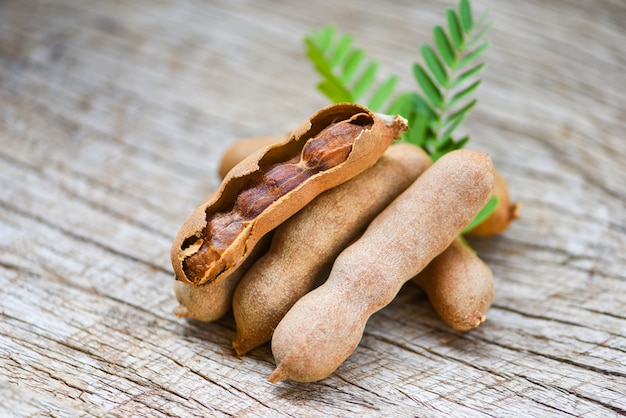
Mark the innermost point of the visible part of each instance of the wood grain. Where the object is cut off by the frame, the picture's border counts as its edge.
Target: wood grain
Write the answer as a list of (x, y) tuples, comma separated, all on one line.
[(113, 116)]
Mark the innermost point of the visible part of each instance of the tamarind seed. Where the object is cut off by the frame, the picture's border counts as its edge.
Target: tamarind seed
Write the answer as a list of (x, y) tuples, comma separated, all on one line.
[(278, 181), (331, 147), (223, 229)]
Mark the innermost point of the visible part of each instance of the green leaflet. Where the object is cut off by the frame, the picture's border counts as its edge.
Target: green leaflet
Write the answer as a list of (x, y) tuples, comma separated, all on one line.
[(462, 94), (465, 12), (352, 65), (383, 93), (434, 65), (454, 26), (444, 47), (471, 57), (365, 82), (468, 74), (346, 74), (428, 86)]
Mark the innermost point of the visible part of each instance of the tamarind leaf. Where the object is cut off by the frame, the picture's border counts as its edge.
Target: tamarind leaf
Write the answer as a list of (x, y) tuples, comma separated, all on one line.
[(462, 94), (341, 50), (402, 105), (453, 126), (352, 65), (434, 65), (478, 37), (335, 91), (454, 27), (442, 148), (461, 142), (323, 37), (471, 57), (481, 19), (485, 213), (316, 56), (382, 94), (443, 45), (338, 63), (438, 153), (419, 114), (331, 86), (418, 124), (443, 92), (430, 89), (461, 78), (465, 12), (461, 113), (410, 102), (366, 80)]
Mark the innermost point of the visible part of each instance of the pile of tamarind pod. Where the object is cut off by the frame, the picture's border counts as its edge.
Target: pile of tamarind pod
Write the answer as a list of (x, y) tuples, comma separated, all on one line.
[(335, 200)]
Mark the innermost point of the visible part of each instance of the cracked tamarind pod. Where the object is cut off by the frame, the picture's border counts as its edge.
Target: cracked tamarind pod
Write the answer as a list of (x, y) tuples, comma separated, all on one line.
[(258, 194), (459, 286), (305, 245), (325, 326)]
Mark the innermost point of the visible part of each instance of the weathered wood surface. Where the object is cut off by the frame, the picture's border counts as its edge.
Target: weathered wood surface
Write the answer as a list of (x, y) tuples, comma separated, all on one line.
[(113, 116)]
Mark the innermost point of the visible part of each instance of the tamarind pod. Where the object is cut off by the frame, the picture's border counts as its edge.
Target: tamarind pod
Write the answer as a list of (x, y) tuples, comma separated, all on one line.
[(307, 243), (459, 286), (269, 186), (505, 213), (243, 148), (325, 326), (203, 303)]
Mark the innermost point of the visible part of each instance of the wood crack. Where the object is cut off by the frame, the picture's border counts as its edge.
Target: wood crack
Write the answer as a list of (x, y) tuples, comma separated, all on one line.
[(183, 400), (505, 376), (580, 365), (82, 238), (576, 395)]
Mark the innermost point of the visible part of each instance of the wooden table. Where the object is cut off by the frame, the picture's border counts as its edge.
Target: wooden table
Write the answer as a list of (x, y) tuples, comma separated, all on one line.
[(113, 118)]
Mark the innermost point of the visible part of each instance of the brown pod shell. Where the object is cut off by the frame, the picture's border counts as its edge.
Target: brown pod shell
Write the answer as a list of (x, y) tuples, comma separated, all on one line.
[(243, 148), (459, 286), (305, 245), (366, 147), (210, 302), (505, 213)]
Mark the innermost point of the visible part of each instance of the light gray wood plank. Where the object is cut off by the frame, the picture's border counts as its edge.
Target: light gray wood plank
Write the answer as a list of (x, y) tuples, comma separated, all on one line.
[(113, 117)]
